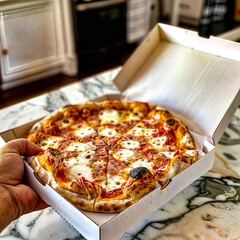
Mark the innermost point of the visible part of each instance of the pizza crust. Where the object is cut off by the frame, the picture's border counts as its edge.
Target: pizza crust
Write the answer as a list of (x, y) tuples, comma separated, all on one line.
[(112, 205), (76, 199), (42, 173)]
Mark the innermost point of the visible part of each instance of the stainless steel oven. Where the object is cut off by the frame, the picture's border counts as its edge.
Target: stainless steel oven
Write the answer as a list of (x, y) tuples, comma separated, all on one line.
[(100, 27)]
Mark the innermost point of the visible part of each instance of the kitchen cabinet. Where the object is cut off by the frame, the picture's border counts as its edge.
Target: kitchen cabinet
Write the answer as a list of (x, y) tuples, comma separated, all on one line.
[(36, 41)]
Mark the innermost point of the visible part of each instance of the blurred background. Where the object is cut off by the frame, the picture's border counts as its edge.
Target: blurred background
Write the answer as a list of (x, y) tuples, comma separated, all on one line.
[(46, 44)]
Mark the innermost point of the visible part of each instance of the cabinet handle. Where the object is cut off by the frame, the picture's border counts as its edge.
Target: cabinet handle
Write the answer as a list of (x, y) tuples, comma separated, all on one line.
[(4, 51), (88, 6)]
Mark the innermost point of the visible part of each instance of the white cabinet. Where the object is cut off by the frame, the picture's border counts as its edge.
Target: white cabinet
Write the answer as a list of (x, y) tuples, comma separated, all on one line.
[(36, 41)]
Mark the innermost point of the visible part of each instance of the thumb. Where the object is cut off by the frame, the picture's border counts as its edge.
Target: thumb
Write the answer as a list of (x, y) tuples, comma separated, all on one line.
[(21, 147)]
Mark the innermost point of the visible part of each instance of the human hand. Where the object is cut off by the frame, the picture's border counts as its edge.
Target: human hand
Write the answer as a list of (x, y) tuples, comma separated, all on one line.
[(16, 198)]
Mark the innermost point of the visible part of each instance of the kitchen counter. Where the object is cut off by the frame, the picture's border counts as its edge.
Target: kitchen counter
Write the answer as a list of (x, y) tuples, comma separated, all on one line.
[(207, 209)]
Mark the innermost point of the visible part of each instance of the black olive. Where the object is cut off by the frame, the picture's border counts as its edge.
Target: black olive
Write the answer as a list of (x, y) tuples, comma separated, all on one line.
[(170, 122), (138, 172), (66, 121), (54, 152)]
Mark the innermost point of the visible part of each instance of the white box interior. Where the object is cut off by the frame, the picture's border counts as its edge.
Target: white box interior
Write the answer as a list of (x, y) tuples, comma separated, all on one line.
[(195, 78)]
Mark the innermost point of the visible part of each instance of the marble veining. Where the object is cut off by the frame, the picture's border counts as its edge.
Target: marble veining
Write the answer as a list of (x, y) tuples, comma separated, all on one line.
[(92, 87), (208, 209), (28, 227), (32, 109)]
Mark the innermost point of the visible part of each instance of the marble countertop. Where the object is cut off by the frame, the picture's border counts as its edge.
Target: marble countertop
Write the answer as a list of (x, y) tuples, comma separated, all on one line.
[(207, 209)]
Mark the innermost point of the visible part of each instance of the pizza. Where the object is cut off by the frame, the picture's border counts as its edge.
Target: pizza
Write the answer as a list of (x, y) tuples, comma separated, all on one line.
[(105, 156)]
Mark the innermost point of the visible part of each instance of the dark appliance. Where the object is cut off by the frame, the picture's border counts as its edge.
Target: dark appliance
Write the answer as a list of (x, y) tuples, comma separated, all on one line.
[(100, 27)]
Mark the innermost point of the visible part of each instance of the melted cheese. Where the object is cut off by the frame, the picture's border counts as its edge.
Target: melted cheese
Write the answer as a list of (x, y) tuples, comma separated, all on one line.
[(83, 158), (78, 146), (124, 154), (142, 163), (114, 182), (130, 144), (112, 121), (150, 132), (108, 113), (108, 132), (169, 154), (53, 142), (158, 142), (84, 132), (137, 131), (186, 140), (136, 116), (81, 171), (192, 153), (65, 122), (109, 116), (88, 146)]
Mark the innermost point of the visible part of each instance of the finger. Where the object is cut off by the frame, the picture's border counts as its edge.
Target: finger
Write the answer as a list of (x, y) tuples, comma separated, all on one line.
[(21, 147)]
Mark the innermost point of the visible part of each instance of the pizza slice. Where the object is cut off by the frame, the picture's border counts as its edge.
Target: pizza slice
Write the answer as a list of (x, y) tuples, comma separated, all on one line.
[(76, 169), (129, 177), (66, 123), (55, 171), (166, 143), (140, 181)]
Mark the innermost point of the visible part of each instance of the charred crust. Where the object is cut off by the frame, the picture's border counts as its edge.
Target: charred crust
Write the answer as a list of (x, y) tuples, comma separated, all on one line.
[(138, 172), (76, 199), (116, 208), (54, 152), (112, 206)]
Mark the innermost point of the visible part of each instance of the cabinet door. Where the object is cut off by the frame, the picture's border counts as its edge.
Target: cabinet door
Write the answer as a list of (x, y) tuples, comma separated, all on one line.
[(32, 41)]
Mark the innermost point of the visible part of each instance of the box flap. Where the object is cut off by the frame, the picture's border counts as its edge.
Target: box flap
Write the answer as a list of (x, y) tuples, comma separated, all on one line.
[(194, 77)]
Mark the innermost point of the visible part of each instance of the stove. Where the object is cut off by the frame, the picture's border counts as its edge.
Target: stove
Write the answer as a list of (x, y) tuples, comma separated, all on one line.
[(100, 29)]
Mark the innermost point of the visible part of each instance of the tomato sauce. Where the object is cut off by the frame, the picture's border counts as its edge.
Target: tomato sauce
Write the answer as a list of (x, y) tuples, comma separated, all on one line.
[(113, 193)]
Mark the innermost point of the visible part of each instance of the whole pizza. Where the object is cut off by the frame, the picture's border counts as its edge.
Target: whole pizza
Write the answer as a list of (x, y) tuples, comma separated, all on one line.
[(105, 156)]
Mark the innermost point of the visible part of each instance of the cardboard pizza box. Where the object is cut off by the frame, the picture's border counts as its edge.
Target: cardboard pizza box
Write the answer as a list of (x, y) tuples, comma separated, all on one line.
[(196, 79), (101, 225)]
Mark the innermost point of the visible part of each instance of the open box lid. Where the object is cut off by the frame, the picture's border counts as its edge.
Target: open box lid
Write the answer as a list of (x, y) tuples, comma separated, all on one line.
[(195, 78)]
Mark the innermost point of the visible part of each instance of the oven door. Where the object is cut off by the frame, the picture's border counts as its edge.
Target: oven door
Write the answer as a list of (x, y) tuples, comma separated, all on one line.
[(100, 29)]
